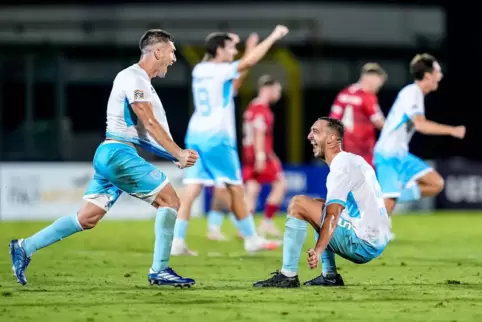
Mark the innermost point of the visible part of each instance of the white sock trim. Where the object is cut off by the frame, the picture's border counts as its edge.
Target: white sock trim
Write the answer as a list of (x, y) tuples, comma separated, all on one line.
[(288, 273)]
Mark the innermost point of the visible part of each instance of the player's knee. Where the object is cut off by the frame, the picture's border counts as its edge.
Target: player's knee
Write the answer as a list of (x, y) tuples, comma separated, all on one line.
[(438, 182), (88, 217), (173, 202), (295, 208)]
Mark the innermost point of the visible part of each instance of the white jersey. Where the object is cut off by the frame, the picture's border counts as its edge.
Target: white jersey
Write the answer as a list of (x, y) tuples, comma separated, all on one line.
[(213, 121), (131, 85), (399, 129), (353, 184)]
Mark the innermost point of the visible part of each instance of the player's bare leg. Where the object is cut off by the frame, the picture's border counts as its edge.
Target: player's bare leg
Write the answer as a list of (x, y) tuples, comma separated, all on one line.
[(179, 246), (220, 204), (245, 220), (273, 202), (167, 203)]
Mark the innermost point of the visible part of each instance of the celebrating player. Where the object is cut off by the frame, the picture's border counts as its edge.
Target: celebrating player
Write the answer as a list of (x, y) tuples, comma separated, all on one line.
[(212, 132), (260, 163), (135, 117), (357, 107), (352, 222), (403, 176)]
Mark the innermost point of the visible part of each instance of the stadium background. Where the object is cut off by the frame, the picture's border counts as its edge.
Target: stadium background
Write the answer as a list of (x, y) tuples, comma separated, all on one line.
[(57, 63)]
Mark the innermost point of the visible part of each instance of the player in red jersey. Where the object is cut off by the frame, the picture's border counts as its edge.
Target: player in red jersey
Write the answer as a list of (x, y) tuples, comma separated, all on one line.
[(260, 163), (357, 107)]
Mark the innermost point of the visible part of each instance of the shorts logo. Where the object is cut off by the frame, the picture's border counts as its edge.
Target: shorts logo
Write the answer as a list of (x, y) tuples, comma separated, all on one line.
[(138, 94), (156, 174)]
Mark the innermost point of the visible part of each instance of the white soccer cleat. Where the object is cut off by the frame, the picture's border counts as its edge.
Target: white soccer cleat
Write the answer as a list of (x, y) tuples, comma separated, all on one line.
[(257, 244), (268, 228), (216, 235), (179, 248)]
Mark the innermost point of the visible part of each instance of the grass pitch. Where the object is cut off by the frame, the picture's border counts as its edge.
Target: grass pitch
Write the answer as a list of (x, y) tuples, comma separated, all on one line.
[(431, 272)]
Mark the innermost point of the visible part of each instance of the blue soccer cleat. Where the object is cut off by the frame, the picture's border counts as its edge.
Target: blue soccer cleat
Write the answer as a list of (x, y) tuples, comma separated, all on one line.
[(20, 261), (169, 277)]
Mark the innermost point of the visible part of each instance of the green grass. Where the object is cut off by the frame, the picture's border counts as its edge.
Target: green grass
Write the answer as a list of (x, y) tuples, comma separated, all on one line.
[(431, 272)]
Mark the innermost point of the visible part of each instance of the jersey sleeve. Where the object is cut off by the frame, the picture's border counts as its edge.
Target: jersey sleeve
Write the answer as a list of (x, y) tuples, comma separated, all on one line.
[(136, 89), (336, 111), (414, 104), (228, 71), (259, 119), (338, 186), (371, 108)]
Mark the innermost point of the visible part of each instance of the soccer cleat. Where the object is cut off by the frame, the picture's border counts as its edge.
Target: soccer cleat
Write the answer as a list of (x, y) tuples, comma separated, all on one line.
[(279, 280), (179, 248), (267, 227), (168, 277), (328, 280), (20, 260), (256, 244), (216, 235)]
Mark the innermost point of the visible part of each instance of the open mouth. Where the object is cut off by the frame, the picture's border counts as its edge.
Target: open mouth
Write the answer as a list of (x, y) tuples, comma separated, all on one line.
[(315, 146)]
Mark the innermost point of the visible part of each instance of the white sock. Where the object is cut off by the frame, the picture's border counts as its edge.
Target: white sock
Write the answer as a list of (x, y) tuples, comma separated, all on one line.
[(288, 273)]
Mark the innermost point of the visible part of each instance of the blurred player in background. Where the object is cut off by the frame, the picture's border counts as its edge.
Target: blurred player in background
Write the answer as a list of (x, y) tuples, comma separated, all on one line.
[(404, 177), (260, 163), (135, 117), (357, 107), (352, 222), (212, 133)]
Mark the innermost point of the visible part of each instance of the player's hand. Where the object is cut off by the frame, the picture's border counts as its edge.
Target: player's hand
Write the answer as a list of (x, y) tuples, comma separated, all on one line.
[(459, 132), (313, 258), (259, 165), (187, 158), (279, 32), (252, 41)]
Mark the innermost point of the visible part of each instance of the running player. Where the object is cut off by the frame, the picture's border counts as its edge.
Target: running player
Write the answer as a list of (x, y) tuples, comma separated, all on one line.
[(211, 132), (135, 118), (260, 163), (352, 222), (402, 176), (357, 107)]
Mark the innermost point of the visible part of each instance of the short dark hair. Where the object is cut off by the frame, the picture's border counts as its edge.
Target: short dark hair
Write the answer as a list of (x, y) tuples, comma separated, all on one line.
[(266, 80), (214, 41), (335, 125), (373, 68), (154, 36), (421, 64)]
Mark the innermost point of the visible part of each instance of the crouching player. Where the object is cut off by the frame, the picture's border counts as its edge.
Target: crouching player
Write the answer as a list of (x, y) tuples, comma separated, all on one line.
[(352, 222)]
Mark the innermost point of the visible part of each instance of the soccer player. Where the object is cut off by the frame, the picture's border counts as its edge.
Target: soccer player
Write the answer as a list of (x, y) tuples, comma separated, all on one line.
[(404, 177), (357, 107), (135, 118), (260, 163), (212, 132), (352, 222)]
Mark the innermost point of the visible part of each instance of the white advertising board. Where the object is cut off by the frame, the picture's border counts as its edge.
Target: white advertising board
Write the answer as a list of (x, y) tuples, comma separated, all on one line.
[(44, 191)]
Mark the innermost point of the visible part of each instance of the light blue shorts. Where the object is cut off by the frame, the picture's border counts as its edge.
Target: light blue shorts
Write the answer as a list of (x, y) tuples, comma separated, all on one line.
[(118, 168), (394, 173), (217, 165)]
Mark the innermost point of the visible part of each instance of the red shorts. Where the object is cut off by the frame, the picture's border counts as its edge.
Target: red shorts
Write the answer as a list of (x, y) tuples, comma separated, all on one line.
[(271, 173), (365, 152)]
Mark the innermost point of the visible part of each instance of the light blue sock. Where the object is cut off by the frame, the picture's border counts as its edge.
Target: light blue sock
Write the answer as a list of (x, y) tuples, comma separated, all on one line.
[(294, 238), (327, 260), (234, 220), (215, 218), (246, 226), (410, 194), (58, 230), (180, 228), (163, 229)]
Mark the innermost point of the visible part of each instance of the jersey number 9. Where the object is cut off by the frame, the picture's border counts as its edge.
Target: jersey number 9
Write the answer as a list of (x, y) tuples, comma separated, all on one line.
[(201, 101)]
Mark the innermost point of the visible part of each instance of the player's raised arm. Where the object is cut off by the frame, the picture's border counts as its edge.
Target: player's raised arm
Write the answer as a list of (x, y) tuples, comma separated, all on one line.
[(373, 112), (425, 126), (251, 43), (262, 48)]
